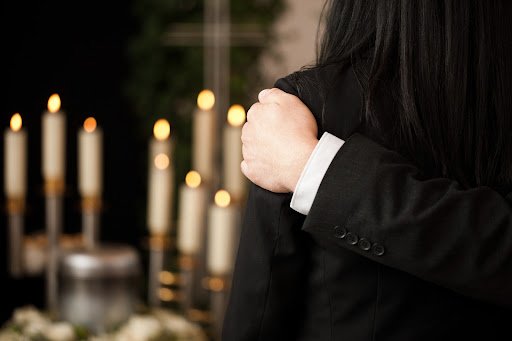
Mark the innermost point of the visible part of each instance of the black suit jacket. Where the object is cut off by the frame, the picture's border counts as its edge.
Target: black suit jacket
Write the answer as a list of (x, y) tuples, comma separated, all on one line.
[(384, 254)]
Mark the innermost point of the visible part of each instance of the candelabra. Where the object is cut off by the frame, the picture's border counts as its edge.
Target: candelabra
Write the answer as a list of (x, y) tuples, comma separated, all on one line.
[(54, 192), (188, 276), (158, 245), (218, 286), (91, 208), (15, 211)]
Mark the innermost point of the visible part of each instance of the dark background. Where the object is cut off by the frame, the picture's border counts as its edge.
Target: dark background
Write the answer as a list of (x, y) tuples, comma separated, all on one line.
[(78, 50), (107, 59)]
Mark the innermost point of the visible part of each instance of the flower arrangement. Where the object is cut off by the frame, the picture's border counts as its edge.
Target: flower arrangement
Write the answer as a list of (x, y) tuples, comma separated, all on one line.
[(30, 324)]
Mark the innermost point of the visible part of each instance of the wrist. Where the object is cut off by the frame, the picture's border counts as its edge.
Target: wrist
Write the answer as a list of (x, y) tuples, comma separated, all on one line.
[(300, 163)]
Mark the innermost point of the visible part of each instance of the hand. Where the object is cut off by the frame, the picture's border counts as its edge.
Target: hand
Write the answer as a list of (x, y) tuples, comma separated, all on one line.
[(278, 138)]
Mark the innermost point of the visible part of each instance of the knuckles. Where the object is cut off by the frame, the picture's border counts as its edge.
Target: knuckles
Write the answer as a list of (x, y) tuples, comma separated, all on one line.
[(243, 136), (252, 109)]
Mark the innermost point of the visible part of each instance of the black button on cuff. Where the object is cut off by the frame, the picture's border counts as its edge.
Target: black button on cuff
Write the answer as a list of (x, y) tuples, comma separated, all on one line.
[(352, 239), (364, 244), (378, 249), (340, 232)]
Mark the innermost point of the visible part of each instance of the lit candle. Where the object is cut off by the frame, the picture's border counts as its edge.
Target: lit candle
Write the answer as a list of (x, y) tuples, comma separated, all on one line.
[(90, 160), (191, 214), (160, 142), (222, 223), (54, 141), (161, 182), (15, 159), (234, 180), (203, 136)]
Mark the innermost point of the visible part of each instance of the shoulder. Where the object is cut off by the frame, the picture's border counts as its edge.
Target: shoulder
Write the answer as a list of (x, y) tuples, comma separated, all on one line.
[(332, 93), (309, 85), (306, 84)]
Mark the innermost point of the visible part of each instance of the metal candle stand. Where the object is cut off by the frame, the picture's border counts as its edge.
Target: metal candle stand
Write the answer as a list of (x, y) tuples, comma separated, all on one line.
[(219, 286), (16, 211), (91, 208), (188, 277), (158, 245), (54, 192)]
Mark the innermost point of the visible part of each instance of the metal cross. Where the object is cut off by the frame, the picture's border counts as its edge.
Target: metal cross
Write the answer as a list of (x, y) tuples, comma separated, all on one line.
[(216, 35)]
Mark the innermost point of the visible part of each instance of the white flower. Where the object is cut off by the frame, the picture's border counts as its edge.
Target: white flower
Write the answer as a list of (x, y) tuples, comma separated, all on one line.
[(60, 331), (35, 328), (30, 320), (27, 315), (140, 328), (9, 335), (160, 323), (105, 337), (179, 326)]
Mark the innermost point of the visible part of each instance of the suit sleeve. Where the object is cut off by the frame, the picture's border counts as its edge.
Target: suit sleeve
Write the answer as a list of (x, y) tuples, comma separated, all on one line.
[(375, 203)]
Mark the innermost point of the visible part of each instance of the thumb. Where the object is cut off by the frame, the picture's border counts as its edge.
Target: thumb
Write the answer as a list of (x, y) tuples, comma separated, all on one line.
[(269, 95)]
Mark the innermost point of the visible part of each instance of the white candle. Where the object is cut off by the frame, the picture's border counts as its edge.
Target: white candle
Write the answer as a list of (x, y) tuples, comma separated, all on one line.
[(203, 136), (54, 141), (90, 160), (191, 215), (160, 143), (234, 180), (161, 184), (222, 236), (15, 159)]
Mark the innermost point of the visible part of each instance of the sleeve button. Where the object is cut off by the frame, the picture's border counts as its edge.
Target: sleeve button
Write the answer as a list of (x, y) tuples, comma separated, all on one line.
[(352, 239), (378, 249), (340, 232), (364, 244)]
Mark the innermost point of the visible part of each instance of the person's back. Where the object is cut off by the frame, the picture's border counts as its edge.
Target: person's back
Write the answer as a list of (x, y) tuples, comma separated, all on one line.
[(444, 67), (348, 296), (431, 80)]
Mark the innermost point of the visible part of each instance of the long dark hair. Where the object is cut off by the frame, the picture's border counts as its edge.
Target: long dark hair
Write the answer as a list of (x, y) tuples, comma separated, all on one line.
[(444, 68)]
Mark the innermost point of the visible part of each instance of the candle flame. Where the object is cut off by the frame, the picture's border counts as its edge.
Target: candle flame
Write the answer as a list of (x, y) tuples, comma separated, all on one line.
[(161, 161), (90, 124), (193, 179), (162, 129), (236, 115), (166, 294), (167, 278), (206, 100), (54, 103), (216, 284), (222, 198), (16, 122)]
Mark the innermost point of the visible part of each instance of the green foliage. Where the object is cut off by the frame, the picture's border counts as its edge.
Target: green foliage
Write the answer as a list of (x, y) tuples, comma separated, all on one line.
[(164, 80), (81, 333)]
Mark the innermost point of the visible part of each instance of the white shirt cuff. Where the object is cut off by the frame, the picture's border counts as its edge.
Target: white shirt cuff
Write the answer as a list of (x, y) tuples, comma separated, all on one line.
[(313, 173)]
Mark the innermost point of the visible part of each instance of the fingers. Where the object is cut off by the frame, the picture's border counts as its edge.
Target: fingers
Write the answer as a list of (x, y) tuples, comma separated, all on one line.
[(269, 95), (251, 110), (263, 93), (243, 167), (245, 155), (244, 132), (266, 96)]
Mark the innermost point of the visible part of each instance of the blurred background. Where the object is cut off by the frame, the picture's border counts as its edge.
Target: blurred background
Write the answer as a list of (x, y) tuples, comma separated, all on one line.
[(111, 60)]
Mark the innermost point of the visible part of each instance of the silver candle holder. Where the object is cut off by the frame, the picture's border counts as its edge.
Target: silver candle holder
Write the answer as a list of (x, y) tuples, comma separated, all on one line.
[(54, 209), (219, 287), (16, 217), (188, 279), (91, 209), (158, 246)]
